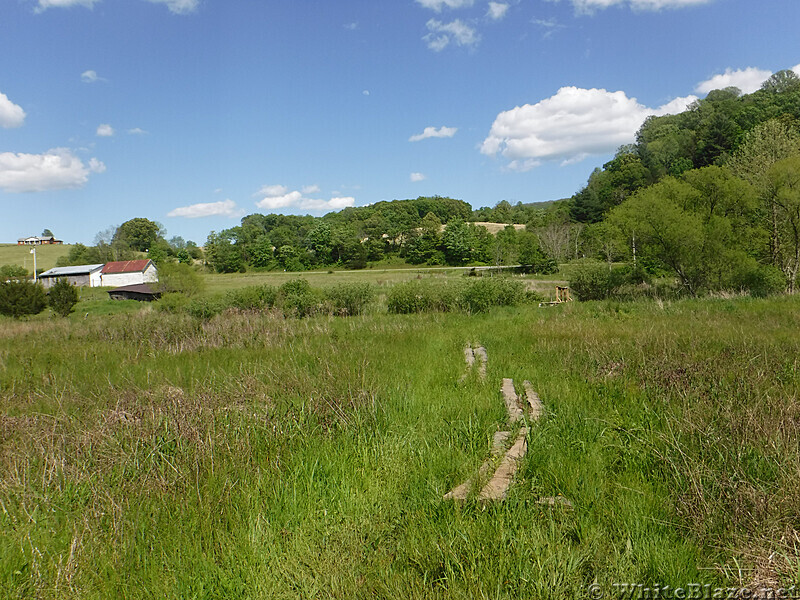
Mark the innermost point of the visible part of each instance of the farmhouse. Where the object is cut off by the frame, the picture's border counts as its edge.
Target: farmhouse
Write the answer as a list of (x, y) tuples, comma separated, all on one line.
[(36, 240), (128, 272), (81, 275)]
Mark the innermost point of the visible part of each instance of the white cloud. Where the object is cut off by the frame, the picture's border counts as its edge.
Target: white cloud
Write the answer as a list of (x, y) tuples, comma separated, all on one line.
[(432, 132), (748, 80), (223, 208), (276, 197), (137, 131), (497, 10), (457, 32), (310, 189), (415, 177), (438, 5), (91, 76), (179, 7), (568, 127), (796, 69), (54, 170), (590, 6), (45, 4), (105, 130), (11, 115), (365, 92)]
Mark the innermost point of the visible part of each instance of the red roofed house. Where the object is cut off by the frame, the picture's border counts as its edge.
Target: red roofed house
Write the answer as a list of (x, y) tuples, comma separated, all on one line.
[(128, 272)]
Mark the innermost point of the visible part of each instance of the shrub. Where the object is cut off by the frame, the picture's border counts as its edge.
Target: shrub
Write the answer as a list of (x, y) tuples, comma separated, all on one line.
[(296, 298), (12, 272), (763, 280), (180, 278), (63, 297), (479, 295), (591, 279), (19, 298), (349, 298), (422, 296), (172, 303), (205, 307), (254, 297)]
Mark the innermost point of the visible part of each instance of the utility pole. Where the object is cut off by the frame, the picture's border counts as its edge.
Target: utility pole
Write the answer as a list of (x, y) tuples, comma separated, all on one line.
[(33, 251)]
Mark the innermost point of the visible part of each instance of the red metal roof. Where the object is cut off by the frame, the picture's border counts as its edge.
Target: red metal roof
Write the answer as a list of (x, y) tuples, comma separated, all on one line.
[(126, 266)]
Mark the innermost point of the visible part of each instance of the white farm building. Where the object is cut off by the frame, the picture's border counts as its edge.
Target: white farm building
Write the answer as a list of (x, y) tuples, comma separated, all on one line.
[(128, 272), (80, 275)]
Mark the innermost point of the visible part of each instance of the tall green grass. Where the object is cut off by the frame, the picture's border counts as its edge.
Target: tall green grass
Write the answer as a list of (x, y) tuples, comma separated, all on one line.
[(151, 455)]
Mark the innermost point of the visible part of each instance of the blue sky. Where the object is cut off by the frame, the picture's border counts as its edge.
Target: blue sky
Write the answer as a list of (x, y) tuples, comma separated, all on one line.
[(196, 112)]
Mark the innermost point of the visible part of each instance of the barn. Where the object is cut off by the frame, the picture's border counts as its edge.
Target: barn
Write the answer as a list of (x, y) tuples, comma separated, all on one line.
[(128, 272), (80, 275)]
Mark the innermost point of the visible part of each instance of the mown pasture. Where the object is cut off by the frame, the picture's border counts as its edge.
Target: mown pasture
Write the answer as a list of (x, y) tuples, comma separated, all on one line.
[(151, 455)]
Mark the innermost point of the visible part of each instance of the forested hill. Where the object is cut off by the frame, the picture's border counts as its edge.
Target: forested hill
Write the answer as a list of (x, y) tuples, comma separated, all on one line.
[(708, 133)]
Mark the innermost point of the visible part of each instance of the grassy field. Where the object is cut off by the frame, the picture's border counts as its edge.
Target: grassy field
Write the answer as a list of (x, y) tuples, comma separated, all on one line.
[(146, 455), (380, 277), (46, 256)]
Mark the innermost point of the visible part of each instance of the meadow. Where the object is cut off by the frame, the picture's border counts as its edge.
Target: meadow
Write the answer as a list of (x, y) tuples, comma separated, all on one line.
[(46, 256), (152, 455)]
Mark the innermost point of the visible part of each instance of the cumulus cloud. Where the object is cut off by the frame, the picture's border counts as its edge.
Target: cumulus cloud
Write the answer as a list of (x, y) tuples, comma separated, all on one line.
[(45, 4), (276, 197), (497, 10), (105, 130), (179, 7), (54, 170), (223, 208), (438, 5), (590, 6), (310, 189), (11, 115), (415, 177), (748, 80), (442, 34), (432, 132), (568, 127)]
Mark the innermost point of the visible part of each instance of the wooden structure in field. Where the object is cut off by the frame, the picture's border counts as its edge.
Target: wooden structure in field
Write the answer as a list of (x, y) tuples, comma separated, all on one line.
[(562, 296)]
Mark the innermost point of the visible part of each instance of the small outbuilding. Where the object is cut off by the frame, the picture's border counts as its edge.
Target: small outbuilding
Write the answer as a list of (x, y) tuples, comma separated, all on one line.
[(128, 272), (80, 275), (141, 291)]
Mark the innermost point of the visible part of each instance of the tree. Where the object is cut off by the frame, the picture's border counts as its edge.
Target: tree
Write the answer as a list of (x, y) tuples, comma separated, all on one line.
[(47, 233), (782, 81), (139, 233), (458, 240), (63, 297), (19, 298), (785, 179), (763, 147)]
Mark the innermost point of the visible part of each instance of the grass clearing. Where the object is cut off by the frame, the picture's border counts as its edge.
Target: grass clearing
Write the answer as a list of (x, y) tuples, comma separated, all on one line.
[(46, 255), (151, 455)]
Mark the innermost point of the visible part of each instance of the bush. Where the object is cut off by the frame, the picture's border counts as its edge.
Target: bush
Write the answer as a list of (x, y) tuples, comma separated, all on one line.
[(254, 297), (763, 280), (63, 297), (422, 296), (19, 298), (12, 272), (480, 295), (205, 307), (591, 279), (172, 303), (296, 298), (180, 278), (349, 298)]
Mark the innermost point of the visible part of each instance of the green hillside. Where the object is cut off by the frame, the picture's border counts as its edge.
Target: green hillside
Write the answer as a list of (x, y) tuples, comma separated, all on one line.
[(46, 256)]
